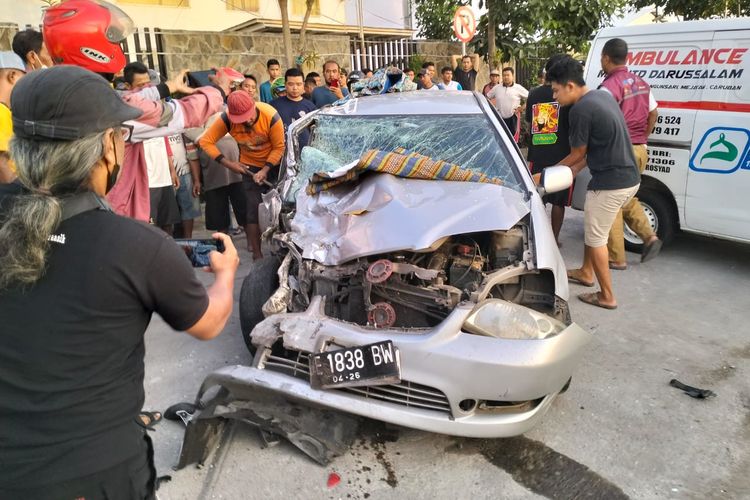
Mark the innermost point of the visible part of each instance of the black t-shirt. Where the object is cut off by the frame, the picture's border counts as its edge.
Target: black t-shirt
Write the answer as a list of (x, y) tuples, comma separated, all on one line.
[(290, 111), (549, 127), (597, 122), (72, 349), (467, 79)]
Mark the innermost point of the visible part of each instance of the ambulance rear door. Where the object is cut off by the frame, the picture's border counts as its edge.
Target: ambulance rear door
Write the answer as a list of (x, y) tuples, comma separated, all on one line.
[(659, 59), (718, 188)]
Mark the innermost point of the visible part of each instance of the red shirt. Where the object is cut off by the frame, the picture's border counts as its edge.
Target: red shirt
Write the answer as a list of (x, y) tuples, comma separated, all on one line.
[(631, 94)]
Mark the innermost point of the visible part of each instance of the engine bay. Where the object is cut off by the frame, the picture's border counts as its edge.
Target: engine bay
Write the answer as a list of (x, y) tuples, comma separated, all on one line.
[(413, 289)]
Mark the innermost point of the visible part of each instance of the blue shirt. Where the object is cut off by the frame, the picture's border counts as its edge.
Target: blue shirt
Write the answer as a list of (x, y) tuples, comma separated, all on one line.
[(265, 92), (322, 96), (290, 111)]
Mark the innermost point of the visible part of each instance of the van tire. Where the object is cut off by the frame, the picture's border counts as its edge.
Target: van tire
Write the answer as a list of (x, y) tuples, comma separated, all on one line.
[(261, 281), (660, 212)]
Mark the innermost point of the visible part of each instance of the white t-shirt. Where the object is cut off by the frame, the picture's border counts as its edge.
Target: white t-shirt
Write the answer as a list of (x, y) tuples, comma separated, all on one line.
[(157, 162), (179, 154), (451, 85), (434, 87), (507, 99)]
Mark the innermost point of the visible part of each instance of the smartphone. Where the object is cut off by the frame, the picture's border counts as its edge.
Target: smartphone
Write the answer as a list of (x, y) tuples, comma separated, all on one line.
[(197, 250), (197, 79), (334, 83)]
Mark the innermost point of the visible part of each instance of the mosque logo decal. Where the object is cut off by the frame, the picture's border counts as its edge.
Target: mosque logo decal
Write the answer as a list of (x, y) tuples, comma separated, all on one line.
[(722, 150)]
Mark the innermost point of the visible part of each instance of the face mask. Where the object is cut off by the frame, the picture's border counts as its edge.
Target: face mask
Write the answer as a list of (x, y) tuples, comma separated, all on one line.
[(112, 177), (38, 64)]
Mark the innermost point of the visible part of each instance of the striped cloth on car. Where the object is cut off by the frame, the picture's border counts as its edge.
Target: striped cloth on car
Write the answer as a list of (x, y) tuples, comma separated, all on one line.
[(400, 163)]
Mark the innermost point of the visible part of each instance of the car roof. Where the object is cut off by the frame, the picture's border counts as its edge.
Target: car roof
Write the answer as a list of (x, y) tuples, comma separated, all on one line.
[(443, 102)]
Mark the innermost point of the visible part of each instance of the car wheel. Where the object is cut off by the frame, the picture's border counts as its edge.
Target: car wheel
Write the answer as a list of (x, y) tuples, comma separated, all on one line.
[(261, 281), (660, 215)]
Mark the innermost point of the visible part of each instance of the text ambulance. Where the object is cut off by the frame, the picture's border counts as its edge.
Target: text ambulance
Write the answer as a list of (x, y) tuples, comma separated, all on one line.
[(698, 173)]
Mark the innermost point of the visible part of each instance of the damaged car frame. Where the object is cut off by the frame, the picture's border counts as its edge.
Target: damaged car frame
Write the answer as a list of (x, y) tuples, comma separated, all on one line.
[(434, 304)]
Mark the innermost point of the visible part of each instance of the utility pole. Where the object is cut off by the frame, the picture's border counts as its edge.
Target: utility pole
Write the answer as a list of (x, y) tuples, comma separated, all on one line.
[(360, 18)]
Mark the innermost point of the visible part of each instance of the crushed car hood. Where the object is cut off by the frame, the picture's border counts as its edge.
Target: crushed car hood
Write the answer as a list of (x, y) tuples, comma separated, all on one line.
[(384, 213)]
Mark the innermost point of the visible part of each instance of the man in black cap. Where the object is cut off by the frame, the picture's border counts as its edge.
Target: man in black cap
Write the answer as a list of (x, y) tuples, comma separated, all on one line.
[(78, 289)]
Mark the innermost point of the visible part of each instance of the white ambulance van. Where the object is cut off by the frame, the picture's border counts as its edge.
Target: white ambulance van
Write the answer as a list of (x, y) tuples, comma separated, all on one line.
[(698, 173)]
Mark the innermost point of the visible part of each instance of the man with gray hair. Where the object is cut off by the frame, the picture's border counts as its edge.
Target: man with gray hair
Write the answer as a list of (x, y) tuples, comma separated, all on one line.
[(71, 377)]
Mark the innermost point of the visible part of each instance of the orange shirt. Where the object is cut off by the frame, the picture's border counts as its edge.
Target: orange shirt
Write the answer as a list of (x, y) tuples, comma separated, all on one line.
[(261, 144)]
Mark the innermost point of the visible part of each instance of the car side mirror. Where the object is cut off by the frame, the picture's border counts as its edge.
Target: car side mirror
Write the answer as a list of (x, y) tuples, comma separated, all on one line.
[(555, 179)]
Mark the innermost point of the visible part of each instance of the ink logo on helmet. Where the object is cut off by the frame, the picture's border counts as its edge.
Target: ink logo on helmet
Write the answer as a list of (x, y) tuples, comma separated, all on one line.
[(722, 150), (95, 55)]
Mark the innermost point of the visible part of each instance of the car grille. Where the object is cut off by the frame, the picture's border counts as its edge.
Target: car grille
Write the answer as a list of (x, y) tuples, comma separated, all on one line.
[(406, 393)]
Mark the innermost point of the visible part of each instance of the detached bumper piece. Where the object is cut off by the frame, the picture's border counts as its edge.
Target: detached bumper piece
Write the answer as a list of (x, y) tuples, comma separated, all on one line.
[(321, 434)]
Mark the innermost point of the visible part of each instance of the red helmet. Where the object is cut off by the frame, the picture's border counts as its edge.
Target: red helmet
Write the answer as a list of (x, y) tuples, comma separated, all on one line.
[(87, 33)]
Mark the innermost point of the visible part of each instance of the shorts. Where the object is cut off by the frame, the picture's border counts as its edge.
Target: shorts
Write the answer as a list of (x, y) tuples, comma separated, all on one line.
[(559, 199), (600, 211), (254, 192), (190, 207), (217, 206), (133, 479), (164, 209)]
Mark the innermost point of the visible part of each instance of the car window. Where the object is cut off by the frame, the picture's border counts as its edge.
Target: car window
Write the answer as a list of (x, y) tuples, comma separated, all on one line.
[(469, 141)]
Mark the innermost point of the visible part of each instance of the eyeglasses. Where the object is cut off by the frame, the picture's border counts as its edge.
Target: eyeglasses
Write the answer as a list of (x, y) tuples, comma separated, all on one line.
[(126, 131)]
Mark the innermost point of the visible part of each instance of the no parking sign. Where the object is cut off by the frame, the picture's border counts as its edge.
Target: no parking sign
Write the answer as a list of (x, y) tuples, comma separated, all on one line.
[(464, 24)]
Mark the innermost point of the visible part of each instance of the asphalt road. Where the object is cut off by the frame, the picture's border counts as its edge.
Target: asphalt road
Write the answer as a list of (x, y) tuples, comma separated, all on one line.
[(620, 431)]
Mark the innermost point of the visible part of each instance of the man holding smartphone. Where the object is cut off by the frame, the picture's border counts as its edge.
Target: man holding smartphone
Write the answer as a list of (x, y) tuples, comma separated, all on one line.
[(332, 90), (259, 133)]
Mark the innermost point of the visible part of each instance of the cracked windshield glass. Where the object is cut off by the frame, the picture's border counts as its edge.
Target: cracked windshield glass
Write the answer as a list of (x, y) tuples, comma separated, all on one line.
[(469, 141)]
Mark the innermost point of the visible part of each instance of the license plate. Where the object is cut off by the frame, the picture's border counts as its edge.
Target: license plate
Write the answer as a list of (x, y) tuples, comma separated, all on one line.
[(373, 364)]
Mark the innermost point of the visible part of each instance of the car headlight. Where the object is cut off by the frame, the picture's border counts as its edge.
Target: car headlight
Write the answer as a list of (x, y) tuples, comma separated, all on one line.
[(506, 320)]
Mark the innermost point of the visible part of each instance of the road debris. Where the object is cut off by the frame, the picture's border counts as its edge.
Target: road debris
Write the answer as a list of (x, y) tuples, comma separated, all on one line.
[(333, 480), (693, 392)]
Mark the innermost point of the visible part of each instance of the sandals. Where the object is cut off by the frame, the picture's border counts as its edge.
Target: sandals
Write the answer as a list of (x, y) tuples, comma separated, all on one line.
[(651, 250), (618, 267), (574, 277), (148, 419), (593, 299)]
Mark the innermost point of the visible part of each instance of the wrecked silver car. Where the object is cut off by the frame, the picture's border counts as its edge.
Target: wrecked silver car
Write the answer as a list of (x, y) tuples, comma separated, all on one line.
[(415, 277)]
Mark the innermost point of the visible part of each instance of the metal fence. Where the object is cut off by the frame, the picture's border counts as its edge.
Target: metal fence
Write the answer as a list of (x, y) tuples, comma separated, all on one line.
[(146, 45), (377, 54)]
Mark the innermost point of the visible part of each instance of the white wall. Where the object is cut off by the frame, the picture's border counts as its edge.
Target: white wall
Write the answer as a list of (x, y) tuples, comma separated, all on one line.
[(201, 15), (379, 13), (21, 12), (213, 15)]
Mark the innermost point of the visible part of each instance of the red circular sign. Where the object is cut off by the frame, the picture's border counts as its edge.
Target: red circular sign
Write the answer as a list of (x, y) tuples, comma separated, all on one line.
[(464, 24)]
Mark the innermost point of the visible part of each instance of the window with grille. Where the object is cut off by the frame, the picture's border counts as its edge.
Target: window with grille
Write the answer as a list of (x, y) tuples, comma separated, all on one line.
[(246, 5), (300, 6)]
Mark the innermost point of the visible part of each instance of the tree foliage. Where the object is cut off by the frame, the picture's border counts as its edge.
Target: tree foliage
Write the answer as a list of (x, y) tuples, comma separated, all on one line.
[(435, 17), (696, 9), (566, 25)]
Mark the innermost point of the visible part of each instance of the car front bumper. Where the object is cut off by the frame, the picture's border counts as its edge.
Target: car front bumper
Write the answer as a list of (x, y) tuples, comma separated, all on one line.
[(452, 383)]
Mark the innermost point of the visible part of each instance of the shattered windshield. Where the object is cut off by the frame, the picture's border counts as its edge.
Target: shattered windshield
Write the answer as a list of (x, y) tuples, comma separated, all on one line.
[(469, 141)]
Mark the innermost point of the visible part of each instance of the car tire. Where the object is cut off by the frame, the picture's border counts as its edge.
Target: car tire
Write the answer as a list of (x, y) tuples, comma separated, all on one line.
[(660, 213), (261, 281)]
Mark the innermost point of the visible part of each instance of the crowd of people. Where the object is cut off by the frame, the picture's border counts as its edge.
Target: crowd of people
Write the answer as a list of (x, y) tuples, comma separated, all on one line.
[(82, 163)]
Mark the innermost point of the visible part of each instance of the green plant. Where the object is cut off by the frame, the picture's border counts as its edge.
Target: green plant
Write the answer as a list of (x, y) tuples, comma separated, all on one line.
[(416, 62)]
